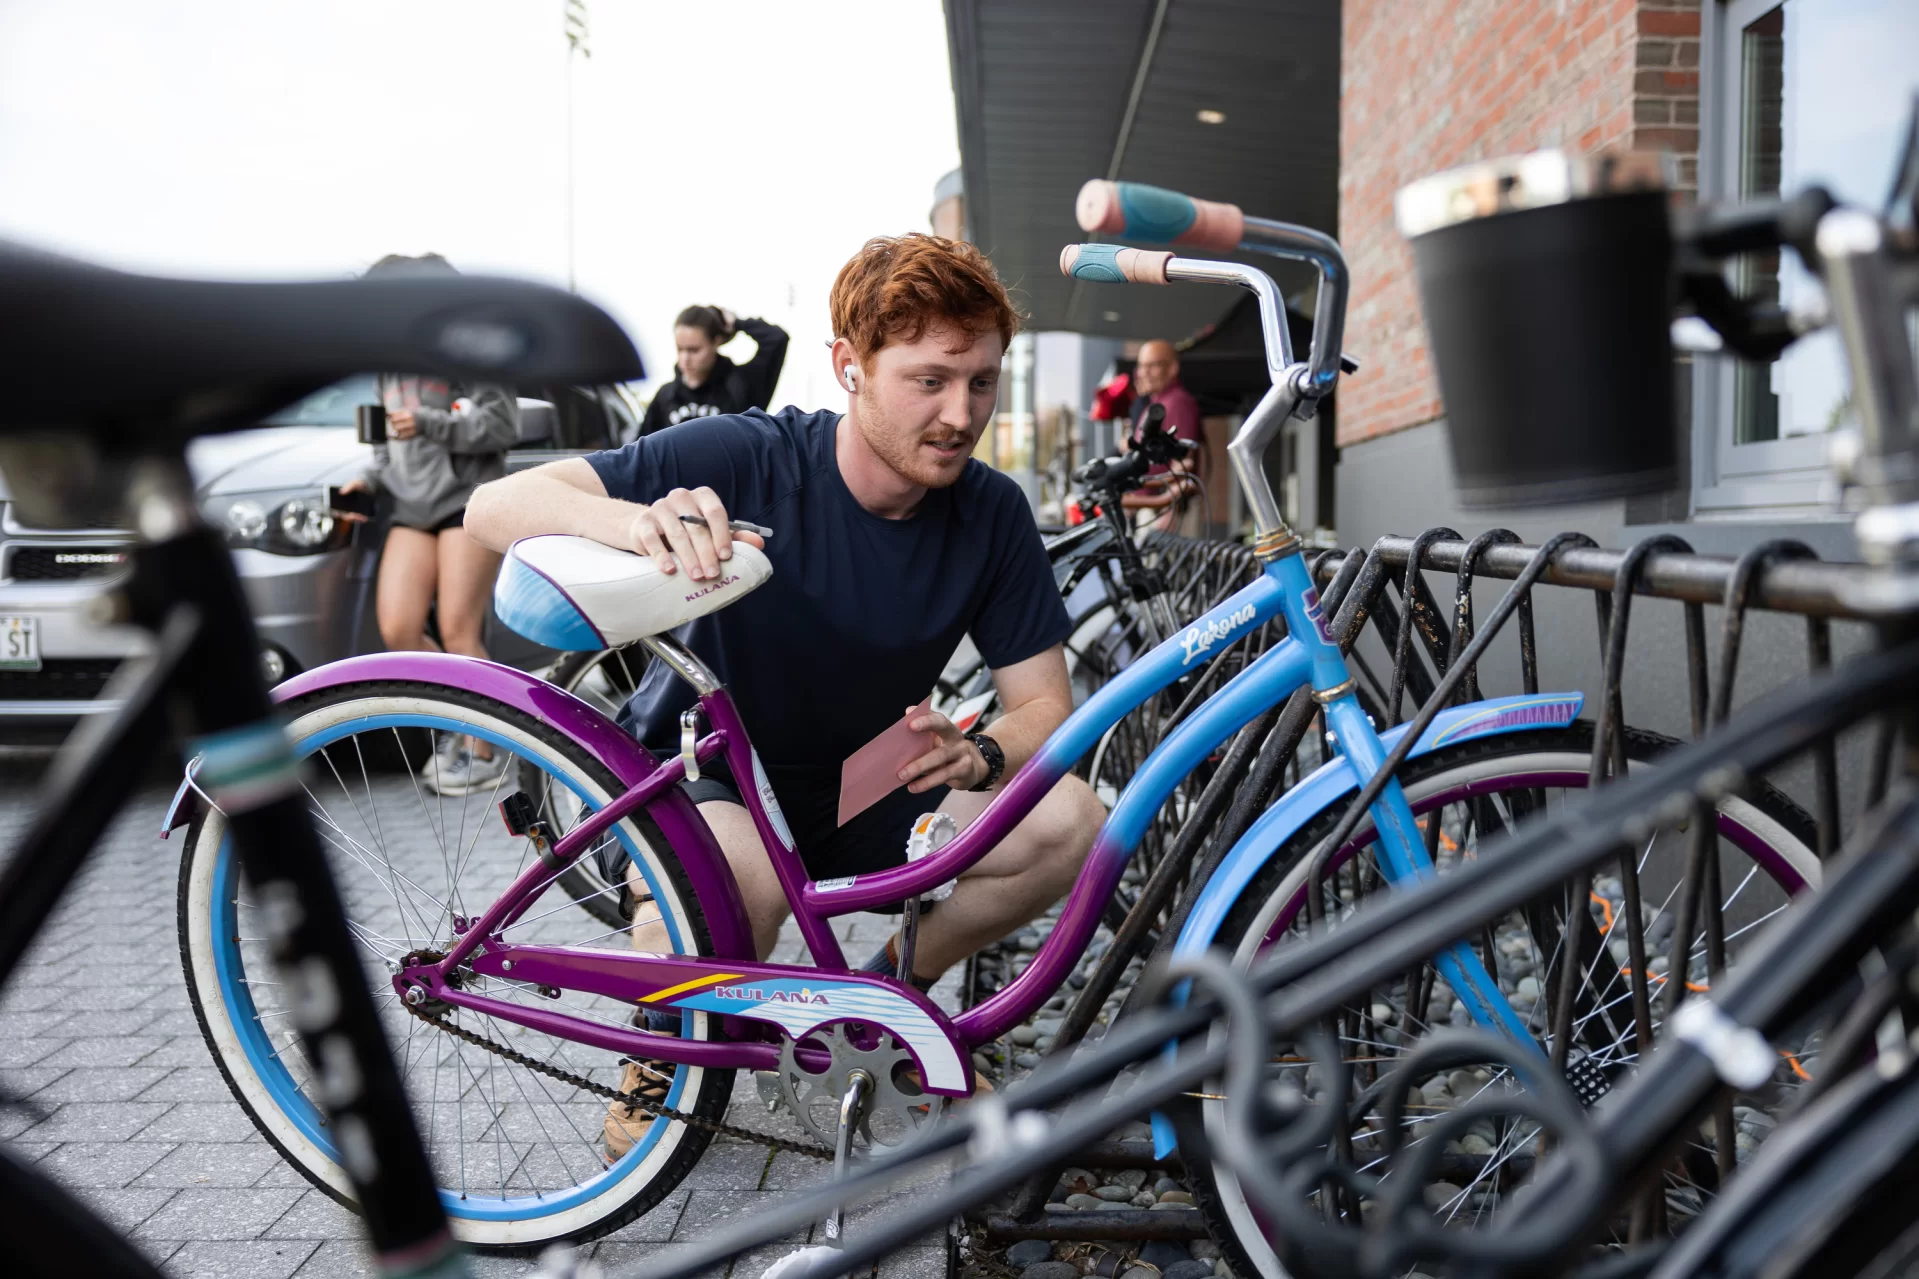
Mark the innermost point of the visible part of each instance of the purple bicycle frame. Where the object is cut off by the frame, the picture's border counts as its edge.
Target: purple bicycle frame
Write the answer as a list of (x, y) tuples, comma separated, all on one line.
[(743, 991)]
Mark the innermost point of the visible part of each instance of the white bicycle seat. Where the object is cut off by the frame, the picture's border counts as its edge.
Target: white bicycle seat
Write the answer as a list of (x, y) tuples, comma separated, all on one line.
[(576, 594)]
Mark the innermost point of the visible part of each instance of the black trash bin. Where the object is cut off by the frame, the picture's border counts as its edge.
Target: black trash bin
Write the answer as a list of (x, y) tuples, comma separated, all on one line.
[(1548, 292)]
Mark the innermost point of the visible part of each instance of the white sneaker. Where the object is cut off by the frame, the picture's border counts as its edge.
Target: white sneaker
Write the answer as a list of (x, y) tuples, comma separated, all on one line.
[(446, 749), (464, 773)]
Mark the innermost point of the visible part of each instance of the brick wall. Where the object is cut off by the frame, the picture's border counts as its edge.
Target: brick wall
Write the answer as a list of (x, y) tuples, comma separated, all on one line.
[(1428, 84)]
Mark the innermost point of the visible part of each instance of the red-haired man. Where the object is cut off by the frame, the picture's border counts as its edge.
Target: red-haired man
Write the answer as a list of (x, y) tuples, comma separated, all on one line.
[(890, 544)]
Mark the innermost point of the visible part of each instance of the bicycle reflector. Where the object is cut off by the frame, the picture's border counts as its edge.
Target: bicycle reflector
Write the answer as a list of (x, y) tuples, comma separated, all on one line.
[(1548, 292)]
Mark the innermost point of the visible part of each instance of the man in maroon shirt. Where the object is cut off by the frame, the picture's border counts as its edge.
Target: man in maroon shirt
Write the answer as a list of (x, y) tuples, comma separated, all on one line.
[(1156, 381)]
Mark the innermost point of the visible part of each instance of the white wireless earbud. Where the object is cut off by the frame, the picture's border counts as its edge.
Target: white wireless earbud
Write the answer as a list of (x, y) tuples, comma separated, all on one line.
[(847, 375)]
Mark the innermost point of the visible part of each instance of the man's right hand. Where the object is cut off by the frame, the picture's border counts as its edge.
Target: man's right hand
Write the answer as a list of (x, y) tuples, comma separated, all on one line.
[(657, 530)]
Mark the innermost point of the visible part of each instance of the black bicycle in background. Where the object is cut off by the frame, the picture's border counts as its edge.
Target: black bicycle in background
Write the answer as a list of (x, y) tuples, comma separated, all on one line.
[(108, 377), (1258, 1084)]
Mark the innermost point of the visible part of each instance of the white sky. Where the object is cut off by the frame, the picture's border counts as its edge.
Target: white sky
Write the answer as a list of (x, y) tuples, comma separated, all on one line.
[(729, 153)]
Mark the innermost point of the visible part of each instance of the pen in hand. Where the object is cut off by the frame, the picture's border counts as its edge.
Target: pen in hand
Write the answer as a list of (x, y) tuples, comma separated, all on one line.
[(738, 526)]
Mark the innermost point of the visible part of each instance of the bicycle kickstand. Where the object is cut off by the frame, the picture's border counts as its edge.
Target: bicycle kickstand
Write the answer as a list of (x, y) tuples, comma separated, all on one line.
[(857, 1088)]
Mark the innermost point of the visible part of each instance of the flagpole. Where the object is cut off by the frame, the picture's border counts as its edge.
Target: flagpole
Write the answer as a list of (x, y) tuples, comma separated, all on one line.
[(571, 283), (573, 23)]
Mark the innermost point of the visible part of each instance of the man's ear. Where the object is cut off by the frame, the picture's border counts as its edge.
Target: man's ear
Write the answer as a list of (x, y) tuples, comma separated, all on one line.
[(846, 365)]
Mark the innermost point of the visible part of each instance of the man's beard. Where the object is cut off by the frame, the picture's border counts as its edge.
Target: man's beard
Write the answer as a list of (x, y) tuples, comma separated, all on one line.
[(906, 455)]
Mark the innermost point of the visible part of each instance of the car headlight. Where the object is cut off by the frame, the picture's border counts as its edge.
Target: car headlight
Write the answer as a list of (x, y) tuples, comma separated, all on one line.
[(284, 523)]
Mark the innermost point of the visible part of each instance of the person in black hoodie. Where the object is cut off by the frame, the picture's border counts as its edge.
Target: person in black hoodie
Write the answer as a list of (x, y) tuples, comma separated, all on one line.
[(706, 383)]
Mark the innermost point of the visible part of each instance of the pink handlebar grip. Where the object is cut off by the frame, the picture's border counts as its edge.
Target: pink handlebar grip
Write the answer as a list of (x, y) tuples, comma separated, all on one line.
[(1111, 264), (1154, 214)]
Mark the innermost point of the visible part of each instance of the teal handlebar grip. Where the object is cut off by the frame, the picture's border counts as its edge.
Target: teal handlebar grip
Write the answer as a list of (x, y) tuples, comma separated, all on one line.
[(1112, 264), (1158, 216)]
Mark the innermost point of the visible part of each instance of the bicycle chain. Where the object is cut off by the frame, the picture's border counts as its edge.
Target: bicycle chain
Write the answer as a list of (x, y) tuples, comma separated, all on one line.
[(659, 1110)]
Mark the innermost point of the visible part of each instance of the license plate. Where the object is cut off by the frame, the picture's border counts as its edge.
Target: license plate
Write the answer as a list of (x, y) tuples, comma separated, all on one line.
[(19, 644)]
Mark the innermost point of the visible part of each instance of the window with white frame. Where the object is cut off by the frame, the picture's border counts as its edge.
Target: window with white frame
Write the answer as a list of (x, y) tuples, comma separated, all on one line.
[(1793, 93)]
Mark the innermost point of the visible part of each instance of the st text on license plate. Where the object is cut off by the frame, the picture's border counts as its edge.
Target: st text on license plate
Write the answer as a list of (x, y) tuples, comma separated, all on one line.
[(19, 644)]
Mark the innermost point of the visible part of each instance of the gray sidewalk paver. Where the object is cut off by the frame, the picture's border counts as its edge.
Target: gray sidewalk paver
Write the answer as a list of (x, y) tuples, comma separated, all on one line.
[(104, 1163), (240, 1258), (216, 1121), (97, 1084), (315, 1215), (83, 1121), (201, 1213), (219, 1165)]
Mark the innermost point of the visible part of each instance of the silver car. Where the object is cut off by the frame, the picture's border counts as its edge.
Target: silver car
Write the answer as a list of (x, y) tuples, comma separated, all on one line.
[(308, 576)]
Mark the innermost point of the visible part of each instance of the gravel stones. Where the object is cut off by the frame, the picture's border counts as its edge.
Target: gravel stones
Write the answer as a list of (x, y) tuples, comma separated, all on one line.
[(1162, 1254), (1114, 1194), (1078, 1181), (1188, 1269), (1028, 1252), (1183, 1198), (1050, 1270), (1083, 1201)]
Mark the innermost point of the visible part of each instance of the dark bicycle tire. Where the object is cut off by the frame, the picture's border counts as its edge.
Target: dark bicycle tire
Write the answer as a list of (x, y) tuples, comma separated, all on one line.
[(1261, 907)]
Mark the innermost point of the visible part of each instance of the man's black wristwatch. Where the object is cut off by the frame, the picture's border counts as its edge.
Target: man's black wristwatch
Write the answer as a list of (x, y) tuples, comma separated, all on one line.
[(990, 752)]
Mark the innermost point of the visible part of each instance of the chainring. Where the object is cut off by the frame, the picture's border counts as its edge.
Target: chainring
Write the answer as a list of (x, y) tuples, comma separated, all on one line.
[(896, 1109)]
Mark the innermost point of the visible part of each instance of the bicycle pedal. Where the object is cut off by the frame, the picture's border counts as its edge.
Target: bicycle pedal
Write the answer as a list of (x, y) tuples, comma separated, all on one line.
[(1588, 1081)]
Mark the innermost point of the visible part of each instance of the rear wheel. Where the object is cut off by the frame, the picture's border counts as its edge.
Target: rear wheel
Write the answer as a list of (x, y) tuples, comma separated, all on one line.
[(517, 1151), (1462, 794)]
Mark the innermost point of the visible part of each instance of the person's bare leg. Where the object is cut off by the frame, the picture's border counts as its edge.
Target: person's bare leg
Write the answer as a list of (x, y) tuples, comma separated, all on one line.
[(1032, 868), (766, 904), (409, 574), (467, 570)]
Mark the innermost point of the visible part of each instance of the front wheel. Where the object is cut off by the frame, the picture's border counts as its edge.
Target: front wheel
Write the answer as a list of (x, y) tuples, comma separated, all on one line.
[(1461, 795), (519, 1153)]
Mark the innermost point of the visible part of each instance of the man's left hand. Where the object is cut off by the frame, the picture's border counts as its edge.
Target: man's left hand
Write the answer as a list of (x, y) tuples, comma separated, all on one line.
[(954, 761)]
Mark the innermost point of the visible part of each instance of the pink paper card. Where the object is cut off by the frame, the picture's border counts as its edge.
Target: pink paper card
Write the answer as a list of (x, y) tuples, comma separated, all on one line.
[(873, 771)]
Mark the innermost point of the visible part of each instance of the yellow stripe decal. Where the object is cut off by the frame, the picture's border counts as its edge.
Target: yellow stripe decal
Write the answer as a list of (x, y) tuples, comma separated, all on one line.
[(685, 986)]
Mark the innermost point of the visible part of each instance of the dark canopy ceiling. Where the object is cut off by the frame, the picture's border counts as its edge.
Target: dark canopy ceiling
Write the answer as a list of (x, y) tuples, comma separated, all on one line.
[(1043, 90)]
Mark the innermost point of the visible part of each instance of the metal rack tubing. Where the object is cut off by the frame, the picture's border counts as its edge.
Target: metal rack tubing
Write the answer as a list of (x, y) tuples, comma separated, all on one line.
[(1810, 588)]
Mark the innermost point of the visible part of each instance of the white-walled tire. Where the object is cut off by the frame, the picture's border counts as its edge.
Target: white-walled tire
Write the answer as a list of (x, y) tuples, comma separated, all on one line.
[(513, 1148)]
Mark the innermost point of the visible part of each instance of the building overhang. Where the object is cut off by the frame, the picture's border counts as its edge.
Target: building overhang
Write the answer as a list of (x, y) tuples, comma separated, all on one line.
[(1048, 96)]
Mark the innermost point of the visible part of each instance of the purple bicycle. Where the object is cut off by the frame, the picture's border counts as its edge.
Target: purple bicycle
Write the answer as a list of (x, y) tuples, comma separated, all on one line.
[(512, 1005)]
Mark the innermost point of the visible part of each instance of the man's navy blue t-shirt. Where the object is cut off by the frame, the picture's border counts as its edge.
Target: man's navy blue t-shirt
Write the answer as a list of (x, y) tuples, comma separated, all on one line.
[(862, 612)]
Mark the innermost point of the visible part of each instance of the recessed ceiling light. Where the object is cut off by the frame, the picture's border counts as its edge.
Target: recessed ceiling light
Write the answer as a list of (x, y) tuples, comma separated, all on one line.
[(1210, 116), (1110, 316)]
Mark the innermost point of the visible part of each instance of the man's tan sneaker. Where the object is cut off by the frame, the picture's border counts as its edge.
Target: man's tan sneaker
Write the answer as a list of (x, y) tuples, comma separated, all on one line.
[(625, 1125)]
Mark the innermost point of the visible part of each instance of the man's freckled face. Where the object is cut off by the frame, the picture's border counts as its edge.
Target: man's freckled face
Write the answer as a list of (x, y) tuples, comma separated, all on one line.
[(924, 404)]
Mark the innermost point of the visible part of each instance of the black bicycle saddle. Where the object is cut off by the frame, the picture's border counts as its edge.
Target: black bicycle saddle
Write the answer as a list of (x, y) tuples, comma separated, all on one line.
[(84, 346)]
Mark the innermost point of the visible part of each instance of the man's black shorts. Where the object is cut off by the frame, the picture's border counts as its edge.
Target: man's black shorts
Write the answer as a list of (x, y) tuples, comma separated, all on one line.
[(873, 840)]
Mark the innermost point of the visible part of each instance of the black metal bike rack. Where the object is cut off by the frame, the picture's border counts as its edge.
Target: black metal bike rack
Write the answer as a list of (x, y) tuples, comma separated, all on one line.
[(1387, 587)]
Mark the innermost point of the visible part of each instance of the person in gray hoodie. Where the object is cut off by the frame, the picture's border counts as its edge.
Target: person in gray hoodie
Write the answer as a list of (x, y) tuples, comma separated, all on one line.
[(444, 439)]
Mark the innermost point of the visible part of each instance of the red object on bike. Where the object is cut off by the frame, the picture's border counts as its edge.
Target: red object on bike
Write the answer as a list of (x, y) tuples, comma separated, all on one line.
[(1114, 401)]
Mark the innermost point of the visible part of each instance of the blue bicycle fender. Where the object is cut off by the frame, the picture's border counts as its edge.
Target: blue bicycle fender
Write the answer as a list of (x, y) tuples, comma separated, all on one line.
[(1325, 786)]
